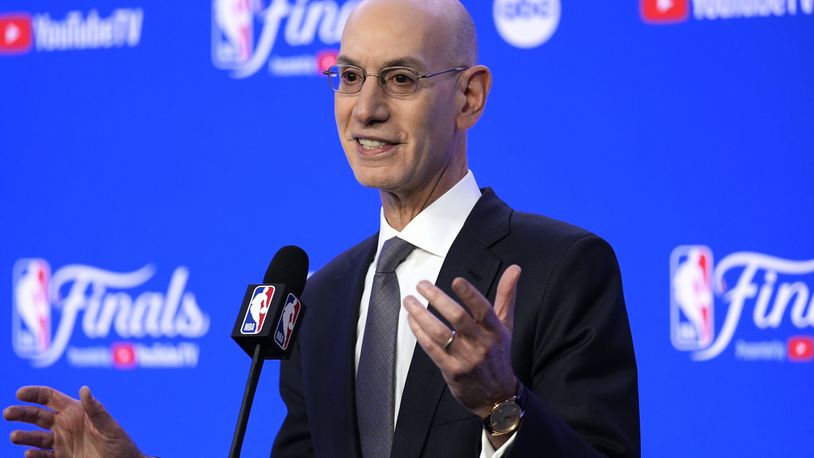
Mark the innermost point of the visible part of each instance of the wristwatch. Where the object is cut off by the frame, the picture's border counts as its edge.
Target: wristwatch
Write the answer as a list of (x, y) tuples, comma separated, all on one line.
[(506, 415)]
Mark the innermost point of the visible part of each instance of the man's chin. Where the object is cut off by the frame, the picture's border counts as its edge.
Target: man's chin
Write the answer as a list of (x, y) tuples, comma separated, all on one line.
[(373, 183), (384, 184), (369, 177)]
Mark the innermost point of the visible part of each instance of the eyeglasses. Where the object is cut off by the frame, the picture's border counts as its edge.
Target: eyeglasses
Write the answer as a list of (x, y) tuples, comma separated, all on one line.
[(398, 81)]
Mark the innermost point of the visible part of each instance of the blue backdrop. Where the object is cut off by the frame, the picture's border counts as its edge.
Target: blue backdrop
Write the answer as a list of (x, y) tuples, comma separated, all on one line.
[(154, 156)]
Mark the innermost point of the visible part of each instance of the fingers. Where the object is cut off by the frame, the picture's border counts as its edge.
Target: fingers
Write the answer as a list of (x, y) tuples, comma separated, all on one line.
[(91, 405), (41, 439), (471, 319), (477, 308), (429, 331), (33, 453), (506, 294), (480, 307), (431, 347), (95, 410), (30, 414), (43, 395)]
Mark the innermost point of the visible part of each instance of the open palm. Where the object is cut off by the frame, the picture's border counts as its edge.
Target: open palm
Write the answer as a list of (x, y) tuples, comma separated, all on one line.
[(72, 428)]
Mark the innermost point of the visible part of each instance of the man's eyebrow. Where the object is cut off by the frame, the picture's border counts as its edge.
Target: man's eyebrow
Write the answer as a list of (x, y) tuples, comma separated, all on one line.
[(343, 60), (397, 62), (405, 62)]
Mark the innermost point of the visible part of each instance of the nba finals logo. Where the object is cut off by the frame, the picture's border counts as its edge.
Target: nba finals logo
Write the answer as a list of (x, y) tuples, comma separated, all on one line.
[(258, 309), (90, 316), (245, 35), (775, 293), (287, 322)]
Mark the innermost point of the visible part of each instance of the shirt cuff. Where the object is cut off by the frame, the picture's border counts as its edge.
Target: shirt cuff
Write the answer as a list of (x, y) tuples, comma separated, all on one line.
[(486, 449)]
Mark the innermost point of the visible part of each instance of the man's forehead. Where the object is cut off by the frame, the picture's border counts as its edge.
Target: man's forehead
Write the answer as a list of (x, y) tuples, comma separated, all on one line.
[(371, 51), (389, 34), (403, 61)]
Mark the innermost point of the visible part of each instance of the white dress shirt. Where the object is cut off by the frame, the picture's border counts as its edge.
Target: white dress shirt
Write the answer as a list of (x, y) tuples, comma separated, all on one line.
[(432, 232)]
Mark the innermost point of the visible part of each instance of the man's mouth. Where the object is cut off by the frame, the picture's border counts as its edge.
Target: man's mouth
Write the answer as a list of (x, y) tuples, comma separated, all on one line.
[(369, 143), (373, 146)]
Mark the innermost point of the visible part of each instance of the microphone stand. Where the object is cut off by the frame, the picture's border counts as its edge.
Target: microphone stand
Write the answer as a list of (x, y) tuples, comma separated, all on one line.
[(246, 405)]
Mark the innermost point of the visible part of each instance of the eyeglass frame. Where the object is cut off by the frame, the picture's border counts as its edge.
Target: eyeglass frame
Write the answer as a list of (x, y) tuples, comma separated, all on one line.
[(365, 74)]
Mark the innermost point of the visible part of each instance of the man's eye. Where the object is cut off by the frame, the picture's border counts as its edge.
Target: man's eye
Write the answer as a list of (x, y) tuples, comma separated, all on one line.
[(350, 77), (401, 79)]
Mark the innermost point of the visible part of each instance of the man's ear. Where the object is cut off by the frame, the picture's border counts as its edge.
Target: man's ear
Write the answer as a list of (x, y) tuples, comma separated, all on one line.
[(473, 89)]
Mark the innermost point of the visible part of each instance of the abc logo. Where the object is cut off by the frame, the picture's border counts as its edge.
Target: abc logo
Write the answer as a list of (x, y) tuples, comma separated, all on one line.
[(526, 23)]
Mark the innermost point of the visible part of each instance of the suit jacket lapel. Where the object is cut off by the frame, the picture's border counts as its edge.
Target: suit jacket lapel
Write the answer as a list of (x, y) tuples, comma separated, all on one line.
[(470, 258)]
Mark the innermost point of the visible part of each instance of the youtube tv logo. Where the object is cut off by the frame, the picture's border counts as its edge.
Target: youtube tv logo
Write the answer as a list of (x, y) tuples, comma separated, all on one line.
[(325, 59), (16, 33), (801, 348), (124, 355), (664, 11)]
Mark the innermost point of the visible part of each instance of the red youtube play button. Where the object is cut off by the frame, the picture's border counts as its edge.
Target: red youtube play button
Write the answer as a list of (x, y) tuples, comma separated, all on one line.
[(16, 33), (124, 355), (325, 59), (801, 348), (664, 11)]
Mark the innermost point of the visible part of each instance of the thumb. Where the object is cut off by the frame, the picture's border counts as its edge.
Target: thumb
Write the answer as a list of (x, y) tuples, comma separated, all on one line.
[(95, 410)]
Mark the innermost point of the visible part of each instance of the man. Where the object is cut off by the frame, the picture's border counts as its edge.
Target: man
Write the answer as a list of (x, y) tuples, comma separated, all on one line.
[(501, 363)]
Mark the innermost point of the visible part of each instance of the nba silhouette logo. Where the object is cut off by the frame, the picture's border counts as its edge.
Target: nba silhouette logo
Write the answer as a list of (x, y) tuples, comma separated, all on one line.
[(285, 326), (258, 309), (31, 311), (233, 32), (691, 298)]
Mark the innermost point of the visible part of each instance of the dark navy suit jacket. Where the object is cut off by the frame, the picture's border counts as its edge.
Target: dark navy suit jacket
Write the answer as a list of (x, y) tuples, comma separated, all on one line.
[(571, 348)]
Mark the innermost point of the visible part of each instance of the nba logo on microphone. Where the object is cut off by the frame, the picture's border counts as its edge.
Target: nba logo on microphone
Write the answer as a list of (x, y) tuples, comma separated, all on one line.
[(288, 319), (258, 310), (691, 297), (31, 311)]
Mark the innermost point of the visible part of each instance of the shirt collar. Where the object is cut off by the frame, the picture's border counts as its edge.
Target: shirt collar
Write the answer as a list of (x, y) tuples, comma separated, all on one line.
[(436, 227)]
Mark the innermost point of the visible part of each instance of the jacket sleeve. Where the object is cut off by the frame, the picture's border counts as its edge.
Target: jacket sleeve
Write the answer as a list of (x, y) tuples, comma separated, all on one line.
[(294, 437), (582, 393)]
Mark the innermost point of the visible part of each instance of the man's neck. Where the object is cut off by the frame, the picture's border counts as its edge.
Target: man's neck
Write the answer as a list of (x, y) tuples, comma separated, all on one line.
[(401, 208)]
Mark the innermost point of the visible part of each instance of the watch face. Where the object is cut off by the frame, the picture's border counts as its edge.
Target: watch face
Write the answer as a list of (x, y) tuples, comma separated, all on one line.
[(505, 417)]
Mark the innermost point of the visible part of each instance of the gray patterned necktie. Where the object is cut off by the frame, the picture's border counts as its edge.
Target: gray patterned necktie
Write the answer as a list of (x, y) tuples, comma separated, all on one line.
[(375, 378)]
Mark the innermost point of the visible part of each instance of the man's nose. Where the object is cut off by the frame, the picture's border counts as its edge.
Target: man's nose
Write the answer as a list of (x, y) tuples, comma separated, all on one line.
[(371, 103)]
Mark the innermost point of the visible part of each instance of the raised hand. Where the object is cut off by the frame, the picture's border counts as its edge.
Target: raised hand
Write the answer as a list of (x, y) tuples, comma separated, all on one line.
[(476, 361), (72, 428)]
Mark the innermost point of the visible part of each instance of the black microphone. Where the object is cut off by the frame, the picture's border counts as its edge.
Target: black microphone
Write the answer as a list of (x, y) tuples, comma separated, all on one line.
[(268, 323)]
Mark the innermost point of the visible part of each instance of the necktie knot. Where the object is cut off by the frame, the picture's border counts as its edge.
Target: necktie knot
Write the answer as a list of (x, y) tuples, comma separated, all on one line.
[(394, 251)]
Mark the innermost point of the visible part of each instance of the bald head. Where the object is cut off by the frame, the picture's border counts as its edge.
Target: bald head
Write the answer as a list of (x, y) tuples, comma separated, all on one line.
[(448, 20)]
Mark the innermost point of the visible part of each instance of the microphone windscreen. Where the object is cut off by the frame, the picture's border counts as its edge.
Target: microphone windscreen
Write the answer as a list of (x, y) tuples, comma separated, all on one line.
[(289, 266)]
